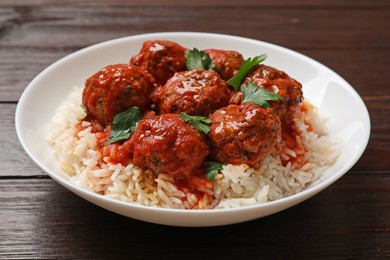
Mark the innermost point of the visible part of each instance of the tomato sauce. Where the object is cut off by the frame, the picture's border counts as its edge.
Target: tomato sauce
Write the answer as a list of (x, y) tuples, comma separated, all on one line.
[(193, 184), (290, 140), (157, 82)]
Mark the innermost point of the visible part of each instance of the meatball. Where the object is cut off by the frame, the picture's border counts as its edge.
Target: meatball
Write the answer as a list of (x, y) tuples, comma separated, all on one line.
[(195, 92), (114, 89), (244, 133), (166, 144), (161, 59), (280, 83), (227, 62)]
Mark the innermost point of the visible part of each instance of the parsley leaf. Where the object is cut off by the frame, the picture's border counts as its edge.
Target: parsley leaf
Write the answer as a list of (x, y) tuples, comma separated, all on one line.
[(84, 108), (246, 66), (196, 59), (256, 95), (213, 169), (124, 124), (199, 122)]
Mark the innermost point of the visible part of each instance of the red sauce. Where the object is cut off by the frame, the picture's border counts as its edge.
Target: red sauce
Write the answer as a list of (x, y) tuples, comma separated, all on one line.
[(165, 144), (180, 153), (193, 184), (102, 137), (289, 138), (306, 108), (115, 153), (95, 126), (289, 134), (114, 89)]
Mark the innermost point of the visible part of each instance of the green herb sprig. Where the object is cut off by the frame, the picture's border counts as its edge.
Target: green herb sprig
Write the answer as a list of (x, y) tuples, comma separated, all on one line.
[(199, 122), (196, 59), (124, 124), (256, 95), (246, 66), (213, 169)]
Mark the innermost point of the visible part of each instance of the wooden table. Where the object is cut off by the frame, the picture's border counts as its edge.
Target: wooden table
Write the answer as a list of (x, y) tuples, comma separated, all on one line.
[(41, 220)]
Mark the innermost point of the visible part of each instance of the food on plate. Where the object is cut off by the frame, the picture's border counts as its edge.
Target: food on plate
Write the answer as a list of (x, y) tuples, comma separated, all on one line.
[(161, 59), (227, 62), (191, 129), (114, 89), (244, 134), (195, 92), (289, 89), (167, 144)]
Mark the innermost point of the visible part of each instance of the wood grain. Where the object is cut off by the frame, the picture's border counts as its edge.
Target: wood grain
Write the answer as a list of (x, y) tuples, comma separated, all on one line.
[(13, 160), (40, 219), (323, 33), (71, 26), (216, 3)]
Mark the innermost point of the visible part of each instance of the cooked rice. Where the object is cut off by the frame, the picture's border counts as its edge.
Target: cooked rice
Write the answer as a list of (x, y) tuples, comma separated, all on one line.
[(235, 186)]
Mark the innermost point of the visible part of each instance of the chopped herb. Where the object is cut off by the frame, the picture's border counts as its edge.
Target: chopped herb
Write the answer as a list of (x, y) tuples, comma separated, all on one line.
[(256, 95), (213, 169), (246, 66), (124, 124), (199, 122), (196, 59), (84, 108)]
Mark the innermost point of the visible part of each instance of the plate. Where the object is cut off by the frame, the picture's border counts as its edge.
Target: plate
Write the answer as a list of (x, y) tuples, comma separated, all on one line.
[(348, 119)]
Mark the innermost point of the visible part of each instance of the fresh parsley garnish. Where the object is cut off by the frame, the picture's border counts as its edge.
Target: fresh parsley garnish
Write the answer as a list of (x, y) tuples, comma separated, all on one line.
[(256, 95), (84, 108), (123, 125), (196, 59), (199, 122), (246, 66), (213, 169)]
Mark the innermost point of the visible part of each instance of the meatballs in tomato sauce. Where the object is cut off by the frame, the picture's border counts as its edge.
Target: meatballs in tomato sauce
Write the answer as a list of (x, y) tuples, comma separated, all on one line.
[(243, 134), (161, 59), (282, 84), (195, 92), (166, 144), (114, 89), (227, 62)]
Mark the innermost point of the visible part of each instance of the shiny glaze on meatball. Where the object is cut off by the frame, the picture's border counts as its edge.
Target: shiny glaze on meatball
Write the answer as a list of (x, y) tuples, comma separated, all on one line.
[(195, 92), (161, 59), (227, 62), (243, 133), (166, 144), (114, 89), (280, 83)]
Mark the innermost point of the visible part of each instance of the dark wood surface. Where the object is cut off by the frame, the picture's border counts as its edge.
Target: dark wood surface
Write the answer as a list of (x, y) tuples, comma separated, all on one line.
[(41, 220)]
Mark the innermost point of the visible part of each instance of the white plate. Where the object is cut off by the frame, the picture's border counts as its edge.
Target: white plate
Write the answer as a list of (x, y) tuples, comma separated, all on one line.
[(348, 118)]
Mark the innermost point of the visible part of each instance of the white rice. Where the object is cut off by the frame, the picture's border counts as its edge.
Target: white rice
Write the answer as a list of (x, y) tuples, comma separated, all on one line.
[(235, 186)]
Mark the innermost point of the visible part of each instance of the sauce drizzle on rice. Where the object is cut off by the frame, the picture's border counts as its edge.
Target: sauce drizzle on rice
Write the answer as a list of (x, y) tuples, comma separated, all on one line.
[(267, 153)]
